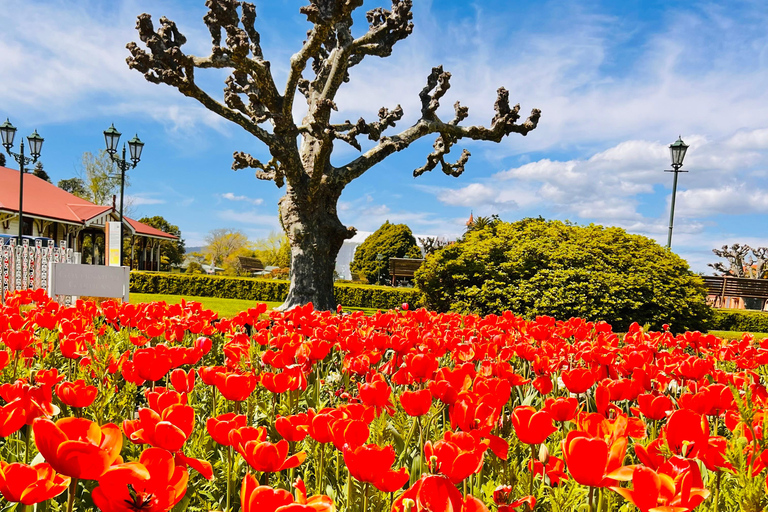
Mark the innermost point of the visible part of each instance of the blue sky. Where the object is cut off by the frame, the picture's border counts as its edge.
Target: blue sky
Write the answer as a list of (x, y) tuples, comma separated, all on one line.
[(617, 82)]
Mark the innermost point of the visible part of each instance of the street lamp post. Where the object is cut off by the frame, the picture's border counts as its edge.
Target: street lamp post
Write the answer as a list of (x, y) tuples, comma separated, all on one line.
[(135, 146), (677, 150), (8, 133)]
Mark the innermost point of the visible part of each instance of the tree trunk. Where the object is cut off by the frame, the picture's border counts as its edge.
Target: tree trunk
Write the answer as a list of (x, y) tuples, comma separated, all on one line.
[(316, 235)]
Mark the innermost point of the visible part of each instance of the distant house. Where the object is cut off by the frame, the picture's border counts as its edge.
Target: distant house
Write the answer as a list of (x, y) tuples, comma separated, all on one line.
[(52, 213)]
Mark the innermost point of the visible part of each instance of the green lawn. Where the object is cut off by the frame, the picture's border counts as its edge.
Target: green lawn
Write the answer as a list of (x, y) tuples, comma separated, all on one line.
[(733, 335), (224, 307)]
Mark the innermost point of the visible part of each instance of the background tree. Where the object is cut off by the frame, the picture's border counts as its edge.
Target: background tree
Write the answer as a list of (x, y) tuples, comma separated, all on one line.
[(743, 261), (391, 241), (40, 172), (536, 267), (301, 151), (74, 186), (221, 244), (171, 253), (100, 178), (433, 243), (273, 251), (97, 181)]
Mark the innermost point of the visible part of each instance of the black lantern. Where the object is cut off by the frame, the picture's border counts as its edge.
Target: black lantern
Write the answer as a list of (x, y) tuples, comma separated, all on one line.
[(677, 150), (35, 144), (135, 146), (112, 138), (7, 132)]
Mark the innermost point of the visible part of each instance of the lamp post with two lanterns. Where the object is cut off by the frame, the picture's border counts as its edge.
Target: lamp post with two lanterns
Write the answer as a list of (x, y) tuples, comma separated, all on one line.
[(135, 146), (7, 134)]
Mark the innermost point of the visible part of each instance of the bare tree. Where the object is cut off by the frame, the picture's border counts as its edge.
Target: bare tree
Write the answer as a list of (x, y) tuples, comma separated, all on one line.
[(433, 243), (741, 262), (301, 151)]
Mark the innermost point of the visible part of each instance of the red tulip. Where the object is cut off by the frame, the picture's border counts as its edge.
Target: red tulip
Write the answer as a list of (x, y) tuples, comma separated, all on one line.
[(532, 427), (256, 498), (687, 433), (77, 394), (590, 460), (562, 409), (293, 428), (221, 426), (168, 430), (421, 366), (416, 403), (28, 485), (152, 363), (235, 386), (430, 492), (349, 433), (153, 484), (376, 393), (655, 407), (78, 447), (271, 458), (182, 381), (578, 380), (457, 456), (373, 464)]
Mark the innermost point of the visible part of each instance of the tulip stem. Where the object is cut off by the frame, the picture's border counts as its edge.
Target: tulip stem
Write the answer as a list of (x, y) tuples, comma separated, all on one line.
[(229, 475), (26, 451), (421, 449), (717, 491), (533, 472), (71, 497), (349, 492), (365, 497), (321, 469), (591, 497)]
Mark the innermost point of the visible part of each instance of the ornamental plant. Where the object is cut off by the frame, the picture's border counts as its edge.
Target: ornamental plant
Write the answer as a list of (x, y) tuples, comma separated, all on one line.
[(155, 407), (536, 267)]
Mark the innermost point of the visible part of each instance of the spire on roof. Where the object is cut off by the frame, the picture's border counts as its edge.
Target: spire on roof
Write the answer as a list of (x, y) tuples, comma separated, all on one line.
[(471, 219)]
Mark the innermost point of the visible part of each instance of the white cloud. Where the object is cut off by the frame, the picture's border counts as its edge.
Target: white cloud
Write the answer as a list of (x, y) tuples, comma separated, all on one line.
[(250, 217), (141, 199), (229, 196)]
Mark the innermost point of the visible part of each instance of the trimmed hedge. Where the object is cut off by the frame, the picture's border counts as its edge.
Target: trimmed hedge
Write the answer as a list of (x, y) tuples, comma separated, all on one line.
[(739, 320), (264, 290)]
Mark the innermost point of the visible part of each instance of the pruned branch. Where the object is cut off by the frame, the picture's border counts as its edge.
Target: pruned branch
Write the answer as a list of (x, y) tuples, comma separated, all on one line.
[(349, 132), (271, 171), (741, 262), (438, 83)]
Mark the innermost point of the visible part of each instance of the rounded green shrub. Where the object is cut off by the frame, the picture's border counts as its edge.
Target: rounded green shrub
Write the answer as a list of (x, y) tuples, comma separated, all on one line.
[(536, 267), (390, 241)]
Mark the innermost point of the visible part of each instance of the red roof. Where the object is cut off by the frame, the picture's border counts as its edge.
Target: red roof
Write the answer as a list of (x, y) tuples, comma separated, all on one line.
[(144, 229), (43, 199)]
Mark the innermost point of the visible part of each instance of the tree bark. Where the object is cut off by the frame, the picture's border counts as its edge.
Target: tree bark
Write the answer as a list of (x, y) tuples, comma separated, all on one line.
[(316, 235)]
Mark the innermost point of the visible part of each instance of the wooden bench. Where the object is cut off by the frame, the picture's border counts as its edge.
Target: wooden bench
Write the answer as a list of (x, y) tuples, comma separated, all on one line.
[(250, 265), (403, 267), (725, 286)]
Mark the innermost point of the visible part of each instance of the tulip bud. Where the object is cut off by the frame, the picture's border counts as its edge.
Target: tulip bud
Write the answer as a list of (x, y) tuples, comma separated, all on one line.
[(405, 306), (339, 309), (543, 454)]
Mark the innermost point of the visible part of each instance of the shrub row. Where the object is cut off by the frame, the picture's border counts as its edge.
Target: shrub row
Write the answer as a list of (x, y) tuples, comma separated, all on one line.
[(739, 320), (272, 290)]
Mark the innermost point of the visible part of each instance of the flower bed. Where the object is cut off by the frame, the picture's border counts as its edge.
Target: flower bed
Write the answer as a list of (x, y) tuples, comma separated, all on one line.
[(152, 407)]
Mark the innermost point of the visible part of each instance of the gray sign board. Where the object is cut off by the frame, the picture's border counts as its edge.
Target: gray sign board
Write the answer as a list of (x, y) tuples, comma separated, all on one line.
[(88, 280)]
